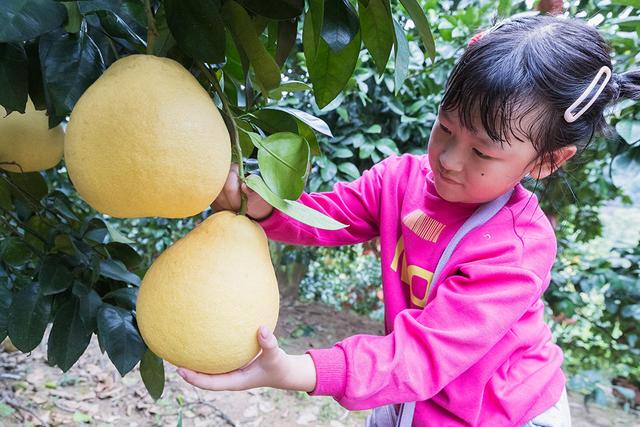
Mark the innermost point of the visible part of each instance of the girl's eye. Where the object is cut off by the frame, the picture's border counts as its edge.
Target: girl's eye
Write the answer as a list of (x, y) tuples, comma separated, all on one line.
[(444, 129), (480, 154)]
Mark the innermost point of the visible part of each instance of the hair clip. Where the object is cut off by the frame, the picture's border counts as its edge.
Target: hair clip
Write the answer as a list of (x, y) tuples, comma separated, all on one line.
[(568, 116)]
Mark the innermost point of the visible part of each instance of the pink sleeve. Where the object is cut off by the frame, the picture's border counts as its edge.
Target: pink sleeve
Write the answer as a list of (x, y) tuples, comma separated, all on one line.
[(356, 204), (429, 348)]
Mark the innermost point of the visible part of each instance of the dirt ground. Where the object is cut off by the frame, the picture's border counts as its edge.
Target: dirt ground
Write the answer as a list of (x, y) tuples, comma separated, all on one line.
[(93, 393)]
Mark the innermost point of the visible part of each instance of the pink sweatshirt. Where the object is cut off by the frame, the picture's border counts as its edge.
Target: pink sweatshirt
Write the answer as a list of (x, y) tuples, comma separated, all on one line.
[(474, 350)]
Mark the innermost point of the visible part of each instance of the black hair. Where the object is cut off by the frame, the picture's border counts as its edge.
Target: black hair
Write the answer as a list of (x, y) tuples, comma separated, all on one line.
[(536, 65)]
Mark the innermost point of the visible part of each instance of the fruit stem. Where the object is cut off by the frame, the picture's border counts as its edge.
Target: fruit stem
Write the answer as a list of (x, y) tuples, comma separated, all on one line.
[(235, 138), (152, 32)]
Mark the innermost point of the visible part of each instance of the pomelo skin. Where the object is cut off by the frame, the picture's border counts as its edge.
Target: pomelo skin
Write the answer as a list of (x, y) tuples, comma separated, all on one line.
[(26, 142), (146, 140), (203, 299)]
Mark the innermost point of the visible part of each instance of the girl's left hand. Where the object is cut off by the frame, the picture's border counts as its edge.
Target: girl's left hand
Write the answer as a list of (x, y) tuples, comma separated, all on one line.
[(272, 368)]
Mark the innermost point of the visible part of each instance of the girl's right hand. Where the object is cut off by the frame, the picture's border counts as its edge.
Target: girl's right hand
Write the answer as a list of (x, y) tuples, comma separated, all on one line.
[(229, 198)]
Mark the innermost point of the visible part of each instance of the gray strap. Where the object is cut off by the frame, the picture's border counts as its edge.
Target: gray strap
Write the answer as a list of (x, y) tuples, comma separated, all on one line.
[(483, 214)]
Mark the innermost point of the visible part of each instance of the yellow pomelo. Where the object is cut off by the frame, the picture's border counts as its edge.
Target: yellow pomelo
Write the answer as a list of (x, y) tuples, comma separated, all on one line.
[(203, 299), (147, 140), (27, 140)]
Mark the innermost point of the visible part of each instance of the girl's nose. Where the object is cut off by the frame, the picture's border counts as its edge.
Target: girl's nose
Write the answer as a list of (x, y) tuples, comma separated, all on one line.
[(451, 160)]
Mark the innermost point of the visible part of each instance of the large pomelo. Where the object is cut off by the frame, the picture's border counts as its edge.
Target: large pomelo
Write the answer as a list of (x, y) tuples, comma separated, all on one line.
[(203, 299), (26, 142), (145, 139)]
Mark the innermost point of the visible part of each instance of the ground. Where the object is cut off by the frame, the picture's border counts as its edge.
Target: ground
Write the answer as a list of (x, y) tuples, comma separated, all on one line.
[(92, 392)]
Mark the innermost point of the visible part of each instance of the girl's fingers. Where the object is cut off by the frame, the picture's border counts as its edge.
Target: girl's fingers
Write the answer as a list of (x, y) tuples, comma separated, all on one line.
[(232, 381)]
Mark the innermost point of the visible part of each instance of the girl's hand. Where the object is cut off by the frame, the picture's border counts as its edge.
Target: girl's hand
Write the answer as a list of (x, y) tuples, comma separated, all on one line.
[(229, 197), (272, 368)]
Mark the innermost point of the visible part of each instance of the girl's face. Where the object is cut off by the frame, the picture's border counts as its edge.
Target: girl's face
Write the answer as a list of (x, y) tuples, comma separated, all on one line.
[(470, 168)]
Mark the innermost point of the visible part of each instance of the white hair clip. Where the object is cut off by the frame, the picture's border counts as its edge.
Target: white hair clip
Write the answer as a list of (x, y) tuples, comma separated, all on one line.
[(568, 116)]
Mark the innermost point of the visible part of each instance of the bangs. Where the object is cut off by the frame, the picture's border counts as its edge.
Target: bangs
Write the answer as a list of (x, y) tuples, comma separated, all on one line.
[(496, 92)]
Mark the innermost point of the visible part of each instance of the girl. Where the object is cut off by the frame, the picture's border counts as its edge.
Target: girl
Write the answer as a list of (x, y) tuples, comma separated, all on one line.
[(466, 339)]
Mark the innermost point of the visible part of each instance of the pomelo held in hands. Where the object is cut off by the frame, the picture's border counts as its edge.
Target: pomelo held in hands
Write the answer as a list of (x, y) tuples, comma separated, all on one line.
[(146, 139), (203, 299), (26, 142)]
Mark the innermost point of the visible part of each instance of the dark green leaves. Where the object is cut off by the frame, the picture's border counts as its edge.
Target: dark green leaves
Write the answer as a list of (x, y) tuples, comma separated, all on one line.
[(265, 67), (14, 251), (13, 77), (5, 303), (120, 337), (152, 373), (116, 270), (275, 9), (54, 276), (340, 24), (377, 30), (27, 19), (329, 71), (197, 27), (69, 336), (28, 317), (70, 63)]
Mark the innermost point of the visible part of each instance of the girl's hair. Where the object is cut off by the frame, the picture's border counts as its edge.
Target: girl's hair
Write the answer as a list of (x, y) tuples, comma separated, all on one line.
[(536, 66)]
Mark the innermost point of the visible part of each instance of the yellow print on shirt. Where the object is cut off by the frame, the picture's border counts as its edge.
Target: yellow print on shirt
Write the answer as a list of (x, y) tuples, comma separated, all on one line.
[(424, 226), (409, 272)]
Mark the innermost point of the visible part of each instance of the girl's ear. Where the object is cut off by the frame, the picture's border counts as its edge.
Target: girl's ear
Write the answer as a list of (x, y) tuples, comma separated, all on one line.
[(545, 167)]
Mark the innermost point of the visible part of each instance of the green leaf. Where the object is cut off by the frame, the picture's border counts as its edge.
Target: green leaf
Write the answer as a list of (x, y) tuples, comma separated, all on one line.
[(30, 186), (311, 120), (289, 86), (295, 210), (349, 169), (340, 24), (90, 302), (422, 24), (120, 337), (275, 9), (27, 19), (287, 36), (5, 196), (6, 296), (629, 130), (284, 160), (504, 7), (264, 65), (74, 17), (70, 64), (69, 337), (123, 297), (329, 72), (37, 228), (402, 56), (373, 129), (54, 277), (377, 30), (13, 77), (164, 40), (152, 373), (28, 317), (387, 146), (198, 28), (6, 410), (116, 270), (124, 253), (14, 251)]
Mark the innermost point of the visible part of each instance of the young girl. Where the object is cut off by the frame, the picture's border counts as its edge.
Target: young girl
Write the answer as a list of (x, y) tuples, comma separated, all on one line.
[(465, 334)]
